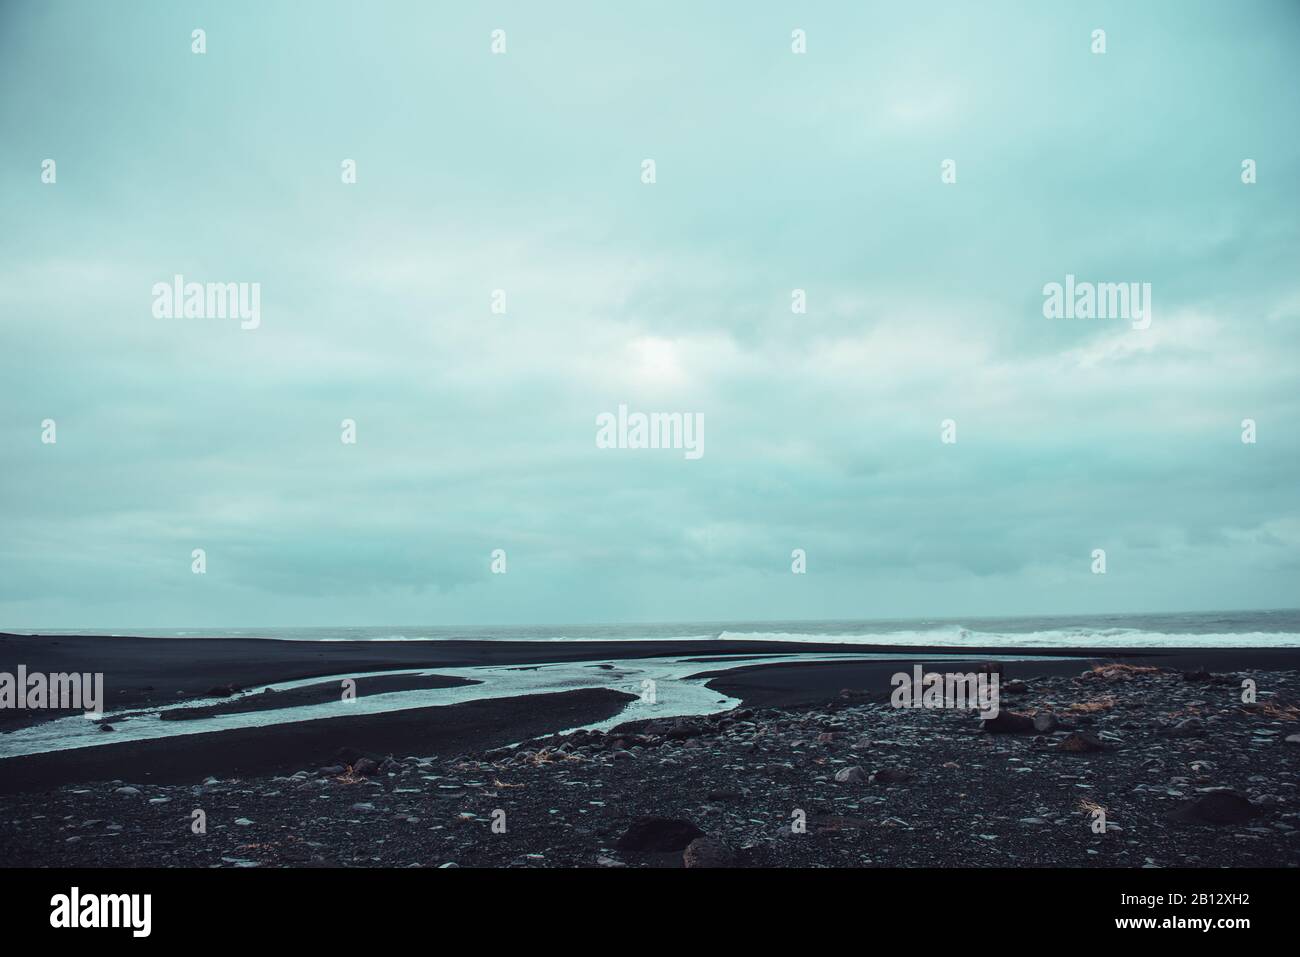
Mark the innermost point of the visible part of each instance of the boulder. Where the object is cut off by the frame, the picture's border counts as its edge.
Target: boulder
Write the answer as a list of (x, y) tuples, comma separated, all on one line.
[(1080, 742), (1009, 722), (676, 729), (1045, 722), (658, 834), (1187, 728), (1219, 807), (707, 852), (891, 776)]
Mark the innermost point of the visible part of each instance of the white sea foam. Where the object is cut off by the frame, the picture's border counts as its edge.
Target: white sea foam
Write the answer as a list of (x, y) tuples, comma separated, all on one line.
[(1063, 638)]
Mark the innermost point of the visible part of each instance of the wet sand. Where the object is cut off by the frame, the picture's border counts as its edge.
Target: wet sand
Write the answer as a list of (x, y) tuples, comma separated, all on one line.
[(286, 748), (791, 684), (144, 672)]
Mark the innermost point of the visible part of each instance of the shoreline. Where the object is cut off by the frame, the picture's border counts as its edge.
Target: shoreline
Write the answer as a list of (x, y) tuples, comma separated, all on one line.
[(1111, 765), (141, 673)]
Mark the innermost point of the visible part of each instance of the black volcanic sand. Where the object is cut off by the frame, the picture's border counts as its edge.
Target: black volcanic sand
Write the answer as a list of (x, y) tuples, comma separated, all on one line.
[(311, 694), (147, 672), (154, 671), (241, 752), (787, 684), (1185, 772)]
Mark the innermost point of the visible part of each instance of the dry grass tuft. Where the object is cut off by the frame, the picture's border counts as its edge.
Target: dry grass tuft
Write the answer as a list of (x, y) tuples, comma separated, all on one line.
[(1283, 712), (1115, 671), (1092, 707), (547, 756)]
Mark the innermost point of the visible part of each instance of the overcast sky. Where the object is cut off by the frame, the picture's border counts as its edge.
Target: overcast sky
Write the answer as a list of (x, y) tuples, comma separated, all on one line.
[(523, 172)]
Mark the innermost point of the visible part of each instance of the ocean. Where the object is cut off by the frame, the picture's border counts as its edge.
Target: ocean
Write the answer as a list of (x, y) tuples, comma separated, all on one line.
[(1226, 629)]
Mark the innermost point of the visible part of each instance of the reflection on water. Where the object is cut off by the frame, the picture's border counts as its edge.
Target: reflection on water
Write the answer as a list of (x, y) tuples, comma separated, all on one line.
[(663, 687)]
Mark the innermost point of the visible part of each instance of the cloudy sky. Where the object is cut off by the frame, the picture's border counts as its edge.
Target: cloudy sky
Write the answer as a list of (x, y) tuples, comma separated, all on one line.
[(522, 172)]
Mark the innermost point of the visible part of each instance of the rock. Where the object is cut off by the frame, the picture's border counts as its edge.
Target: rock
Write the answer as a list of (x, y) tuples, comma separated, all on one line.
[(105, 726), (1293, 739), (1015, 686), (127, 790), (891, 776), (1188, 727), (243, 822), (1080, 742), (1009, 722), (658, 834), (332, 771), (724, 795), (1045, 722), (348, 757), (707, 852), (1220, 807), (365, 766), (851, 775), (675, 729)]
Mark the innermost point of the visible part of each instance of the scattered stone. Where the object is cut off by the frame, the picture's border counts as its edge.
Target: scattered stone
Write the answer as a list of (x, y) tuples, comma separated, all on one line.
[(725, 795), (1187, 728), (365, 767)]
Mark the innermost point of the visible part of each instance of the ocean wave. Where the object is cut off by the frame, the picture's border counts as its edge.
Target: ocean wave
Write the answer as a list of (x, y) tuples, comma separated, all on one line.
[(1060, 638)]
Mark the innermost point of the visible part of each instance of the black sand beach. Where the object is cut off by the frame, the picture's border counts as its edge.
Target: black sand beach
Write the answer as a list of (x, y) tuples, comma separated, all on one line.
[(1168, 729)]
